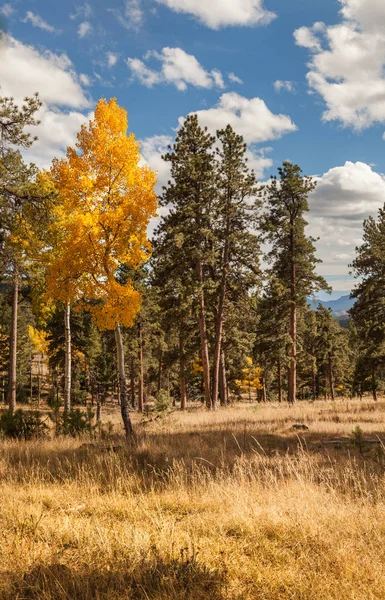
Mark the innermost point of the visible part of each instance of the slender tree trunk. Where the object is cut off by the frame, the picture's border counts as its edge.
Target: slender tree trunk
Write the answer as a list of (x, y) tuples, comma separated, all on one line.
[(12, 378), (220, 315), (292, 392), (210, 404), (39, 380), (141, 377), (98, 407), (222, 381), (122, 383), (331, 378), (374, 383), (182, 373), (67, 358), (132, 381), (314, 380), (279, 376), (31, 381), (160, 370), (264, 392)]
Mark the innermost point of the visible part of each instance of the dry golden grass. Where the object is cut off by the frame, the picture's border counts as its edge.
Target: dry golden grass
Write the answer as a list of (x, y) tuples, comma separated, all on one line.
[(228, 506)]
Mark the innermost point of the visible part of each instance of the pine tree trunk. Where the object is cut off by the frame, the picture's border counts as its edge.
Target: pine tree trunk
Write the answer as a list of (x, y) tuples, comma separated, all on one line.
[(98, 407), (67, 359), (39, 380), (122, 383), (292, 392), (222, 381), (279, 376), (141, 378), (220, 316), (182, 373), (132, 381), (374, 383), (204, 343), (331, 378), (264, 394), (314, 374), (31, 380), (160, 370), (12, 378)]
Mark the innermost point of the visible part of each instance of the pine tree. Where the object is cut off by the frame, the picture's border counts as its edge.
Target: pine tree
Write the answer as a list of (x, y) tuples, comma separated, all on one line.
[(293, 254), (368, 312), (187, 231), (17, 197), (238, 247)]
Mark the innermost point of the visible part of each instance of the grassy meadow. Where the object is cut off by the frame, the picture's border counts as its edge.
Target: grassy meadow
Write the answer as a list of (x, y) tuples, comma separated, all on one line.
[(234, 505)]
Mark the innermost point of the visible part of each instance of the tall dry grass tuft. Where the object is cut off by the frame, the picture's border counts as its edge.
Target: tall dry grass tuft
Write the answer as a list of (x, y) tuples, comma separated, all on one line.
[(229, 506)]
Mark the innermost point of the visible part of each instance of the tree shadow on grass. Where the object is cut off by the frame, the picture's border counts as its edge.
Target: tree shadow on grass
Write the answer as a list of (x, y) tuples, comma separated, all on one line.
[(156, 579)]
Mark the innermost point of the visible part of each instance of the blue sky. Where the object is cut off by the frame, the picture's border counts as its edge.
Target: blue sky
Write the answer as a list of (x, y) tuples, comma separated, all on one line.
[(301, 80)]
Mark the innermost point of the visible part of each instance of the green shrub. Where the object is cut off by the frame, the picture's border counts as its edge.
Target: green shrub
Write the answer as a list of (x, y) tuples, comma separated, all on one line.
[(163, 401), (23, 425), (74, 423)]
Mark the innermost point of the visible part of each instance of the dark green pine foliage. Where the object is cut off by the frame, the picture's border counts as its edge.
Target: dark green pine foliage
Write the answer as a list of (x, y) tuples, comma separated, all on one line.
[(272, 337), (332, 350), (368, 312), (237, 244), (16, 194), (292, 256), (187, 230)]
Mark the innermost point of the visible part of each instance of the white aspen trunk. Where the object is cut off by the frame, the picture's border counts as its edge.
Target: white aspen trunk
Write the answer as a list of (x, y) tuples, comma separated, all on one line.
[(122, 383), (68, 359)]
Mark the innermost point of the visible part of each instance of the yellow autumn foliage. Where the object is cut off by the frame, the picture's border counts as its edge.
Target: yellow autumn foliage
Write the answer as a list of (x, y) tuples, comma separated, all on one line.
[(107, 200), (39, 340), (251, 376)]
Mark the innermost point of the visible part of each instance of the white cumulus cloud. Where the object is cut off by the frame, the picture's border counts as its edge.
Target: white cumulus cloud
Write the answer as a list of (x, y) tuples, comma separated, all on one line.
[(248, 117), (177, 68), (347, 63), (345, 196), (223, 13), (25, 70)]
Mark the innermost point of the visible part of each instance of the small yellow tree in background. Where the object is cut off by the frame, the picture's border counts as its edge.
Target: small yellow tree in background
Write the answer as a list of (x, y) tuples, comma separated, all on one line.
[(107, 201), (251, 378), (40, 344)]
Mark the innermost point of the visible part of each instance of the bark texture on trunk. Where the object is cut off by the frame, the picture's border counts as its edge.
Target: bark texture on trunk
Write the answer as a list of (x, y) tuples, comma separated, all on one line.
[(182, 373), (292, 391), (204, 343), (374, 383), (220, 315), (331, 377), (132, 381), (314, 375), (222, 381), (12, 377), (141, 376), (67, 359), (123, 396), (279, 377)]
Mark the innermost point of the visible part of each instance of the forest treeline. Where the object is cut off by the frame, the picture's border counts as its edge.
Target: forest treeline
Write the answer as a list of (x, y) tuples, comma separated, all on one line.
[(89, 308)]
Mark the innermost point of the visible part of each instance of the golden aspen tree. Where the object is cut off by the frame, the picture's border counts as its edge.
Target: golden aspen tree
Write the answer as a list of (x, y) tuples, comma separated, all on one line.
[(107, 200)]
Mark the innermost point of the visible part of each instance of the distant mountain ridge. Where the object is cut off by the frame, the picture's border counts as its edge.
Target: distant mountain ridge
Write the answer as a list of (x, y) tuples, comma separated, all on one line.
[(339, 307)]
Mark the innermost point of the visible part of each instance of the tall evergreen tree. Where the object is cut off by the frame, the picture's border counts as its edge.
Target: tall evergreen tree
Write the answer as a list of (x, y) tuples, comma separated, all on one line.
[(292, 255), (238, 247), (188, 228)]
